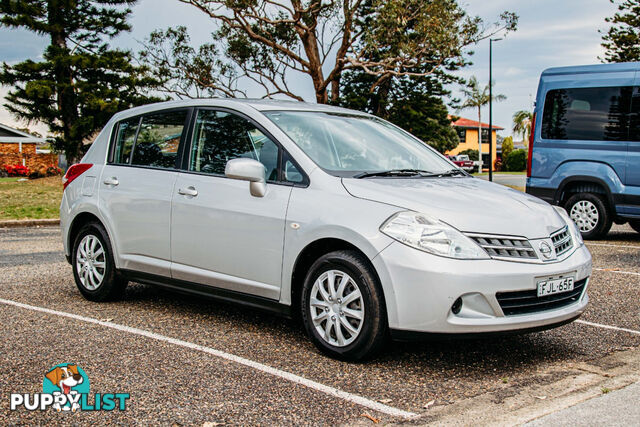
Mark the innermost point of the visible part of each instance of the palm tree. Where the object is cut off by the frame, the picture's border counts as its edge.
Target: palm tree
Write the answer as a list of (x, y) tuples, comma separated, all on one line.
[(477, 97), (522, 124)]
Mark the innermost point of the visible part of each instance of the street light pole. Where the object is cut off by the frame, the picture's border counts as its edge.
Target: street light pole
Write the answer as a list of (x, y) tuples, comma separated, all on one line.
[(491, 107)]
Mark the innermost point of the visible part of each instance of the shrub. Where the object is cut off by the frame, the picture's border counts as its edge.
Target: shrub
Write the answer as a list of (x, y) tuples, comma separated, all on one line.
[(3, 173), (507, 146), (516, 161), (16, 170), (473, 154), (497, 165), (54, 170)]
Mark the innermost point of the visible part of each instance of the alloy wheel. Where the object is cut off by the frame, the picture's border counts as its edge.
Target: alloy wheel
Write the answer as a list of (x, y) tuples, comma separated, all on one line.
[(90, 262), (337, 308)]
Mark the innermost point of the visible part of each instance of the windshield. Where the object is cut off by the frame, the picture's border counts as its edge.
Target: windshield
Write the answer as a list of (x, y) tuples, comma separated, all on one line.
[(349, 145)]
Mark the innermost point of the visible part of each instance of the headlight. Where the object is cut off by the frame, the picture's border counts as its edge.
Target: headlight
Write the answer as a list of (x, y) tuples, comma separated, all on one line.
[(431, 235), (573, 228)]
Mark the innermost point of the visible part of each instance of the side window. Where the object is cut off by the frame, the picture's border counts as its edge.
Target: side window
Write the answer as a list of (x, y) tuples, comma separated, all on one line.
[(590, 114), (158, 139), (291, 172), (634, 125), (125, 136), (220, 136)]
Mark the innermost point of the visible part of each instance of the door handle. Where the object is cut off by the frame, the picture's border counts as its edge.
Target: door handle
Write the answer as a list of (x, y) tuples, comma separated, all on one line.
[(189, 191), (111, 181)]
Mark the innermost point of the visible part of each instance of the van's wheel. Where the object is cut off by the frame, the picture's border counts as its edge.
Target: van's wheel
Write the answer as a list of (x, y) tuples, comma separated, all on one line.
[(342, 306), (589, 211), (635, 224), (93, 267)]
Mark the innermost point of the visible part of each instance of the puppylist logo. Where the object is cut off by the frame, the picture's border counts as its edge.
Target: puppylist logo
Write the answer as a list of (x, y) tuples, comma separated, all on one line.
[(65, 387)]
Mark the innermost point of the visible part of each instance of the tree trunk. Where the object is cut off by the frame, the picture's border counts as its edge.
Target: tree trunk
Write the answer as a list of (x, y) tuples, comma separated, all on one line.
[(480, 139), (63, 74)]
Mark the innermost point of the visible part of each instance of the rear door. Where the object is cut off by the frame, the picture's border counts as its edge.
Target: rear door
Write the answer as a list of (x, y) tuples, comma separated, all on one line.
[(221, 235), (136, 188)]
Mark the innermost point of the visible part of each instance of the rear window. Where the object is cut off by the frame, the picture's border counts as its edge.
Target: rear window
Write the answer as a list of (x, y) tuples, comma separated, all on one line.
[(590, 114)]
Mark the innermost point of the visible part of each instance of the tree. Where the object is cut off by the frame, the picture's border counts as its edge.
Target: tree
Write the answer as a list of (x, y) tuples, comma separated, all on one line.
[(80, 83), (622, 41), (264, 42), (477, 97), (522, 124), (507, 147)]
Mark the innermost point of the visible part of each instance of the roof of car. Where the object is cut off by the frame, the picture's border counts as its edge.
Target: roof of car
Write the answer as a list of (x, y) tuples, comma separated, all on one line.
[(594, 68), (258, 104)]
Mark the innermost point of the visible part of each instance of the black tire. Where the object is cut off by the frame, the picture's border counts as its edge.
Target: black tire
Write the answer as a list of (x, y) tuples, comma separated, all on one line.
[(374, 330), (605, 219), (113, 283), (635, 224)]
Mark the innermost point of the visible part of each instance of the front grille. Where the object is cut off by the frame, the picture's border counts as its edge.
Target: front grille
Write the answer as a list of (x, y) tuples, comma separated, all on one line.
[(562, 241), (505, 247), (524, 302)]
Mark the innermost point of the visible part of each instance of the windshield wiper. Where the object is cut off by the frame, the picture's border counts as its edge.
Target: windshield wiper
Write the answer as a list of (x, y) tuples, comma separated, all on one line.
[(395, 172), (450, 172)]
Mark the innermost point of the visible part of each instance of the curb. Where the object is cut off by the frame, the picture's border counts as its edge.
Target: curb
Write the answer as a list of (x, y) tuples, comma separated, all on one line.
[(14, 223)]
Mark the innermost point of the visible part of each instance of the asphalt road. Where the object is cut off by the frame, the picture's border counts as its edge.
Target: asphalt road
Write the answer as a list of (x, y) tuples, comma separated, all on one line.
[(209, 362), (507, 179)]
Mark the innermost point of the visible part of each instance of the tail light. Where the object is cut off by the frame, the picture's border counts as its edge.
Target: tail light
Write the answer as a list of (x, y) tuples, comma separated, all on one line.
[(73, 172), (533, 131)]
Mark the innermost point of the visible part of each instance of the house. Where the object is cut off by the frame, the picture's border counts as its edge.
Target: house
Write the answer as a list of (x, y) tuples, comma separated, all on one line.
[(21, 148), (468, 133)]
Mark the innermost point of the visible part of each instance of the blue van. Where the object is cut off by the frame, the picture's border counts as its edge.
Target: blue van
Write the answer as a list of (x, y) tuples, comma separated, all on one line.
[(584, 150)]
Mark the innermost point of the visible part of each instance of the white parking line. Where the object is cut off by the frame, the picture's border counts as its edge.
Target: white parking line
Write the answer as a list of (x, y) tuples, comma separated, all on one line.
[(611, 270), (353, 398), (615, 328), (614, 246)]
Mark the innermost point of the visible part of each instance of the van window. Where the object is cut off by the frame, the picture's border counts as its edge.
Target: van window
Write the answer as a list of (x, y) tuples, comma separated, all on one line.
[(590, 114), (125, 136), (158, 139), (634, 125)]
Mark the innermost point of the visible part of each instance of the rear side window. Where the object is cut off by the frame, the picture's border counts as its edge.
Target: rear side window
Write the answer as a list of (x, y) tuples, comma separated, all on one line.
[(634, 126), (589, 114), (125, 137), (158, 139)]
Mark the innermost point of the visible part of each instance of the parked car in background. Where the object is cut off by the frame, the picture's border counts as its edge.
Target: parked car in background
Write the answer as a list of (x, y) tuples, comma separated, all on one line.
[(463, 162), (584, 151), (330, 215)]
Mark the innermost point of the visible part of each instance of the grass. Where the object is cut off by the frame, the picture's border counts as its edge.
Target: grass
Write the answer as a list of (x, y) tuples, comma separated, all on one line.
[(32, 199)]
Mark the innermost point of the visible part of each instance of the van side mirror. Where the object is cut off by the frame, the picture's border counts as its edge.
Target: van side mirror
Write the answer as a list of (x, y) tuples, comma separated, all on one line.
[(248, 170)]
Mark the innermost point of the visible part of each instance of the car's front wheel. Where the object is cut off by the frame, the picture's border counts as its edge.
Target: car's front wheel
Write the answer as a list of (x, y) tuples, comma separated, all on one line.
[(589, 211), (94, 269), (343, 307)]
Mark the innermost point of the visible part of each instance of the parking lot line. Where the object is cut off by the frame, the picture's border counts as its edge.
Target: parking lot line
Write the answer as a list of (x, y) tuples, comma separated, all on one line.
[(611, 270), (615, 328), (614, 246), (340, 394)]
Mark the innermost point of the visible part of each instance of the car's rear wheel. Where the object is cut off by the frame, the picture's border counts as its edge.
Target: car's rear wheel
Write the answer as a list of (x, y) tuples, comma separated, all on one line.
[(635, 224), (589, 211), (342, 306), (93, 266)]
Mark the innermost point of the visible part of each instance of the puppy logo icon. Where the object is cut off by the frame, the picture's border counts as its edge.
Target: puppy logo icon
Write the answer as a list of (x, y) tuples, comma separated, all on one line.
[(66, 382)]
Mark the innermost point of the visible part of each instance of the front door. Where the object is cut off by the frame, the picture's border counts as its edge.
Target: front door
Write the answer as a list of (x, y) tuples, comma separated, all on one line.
[(221, 235), (632, 196)]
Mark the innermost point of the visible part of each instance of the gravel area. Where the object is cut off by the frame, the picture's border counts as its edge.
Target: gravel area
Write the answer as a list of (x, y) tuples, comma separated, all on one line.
[(170, 384)]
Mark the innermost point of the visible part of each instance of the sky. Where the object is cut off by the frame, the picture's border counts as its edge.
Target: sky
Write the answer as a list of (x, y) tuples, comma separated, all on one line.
[(550, 33)]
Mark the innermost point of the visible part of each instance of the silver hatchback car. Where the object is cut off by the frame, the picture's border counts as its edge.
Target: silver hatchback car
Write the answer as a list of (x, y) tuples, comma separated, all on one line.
[(331, 215)]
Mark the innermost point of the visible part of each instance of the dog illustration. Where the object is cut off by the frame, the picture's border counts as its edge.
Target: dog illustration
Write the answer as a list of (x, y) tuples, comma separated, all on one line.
[(65, 377)]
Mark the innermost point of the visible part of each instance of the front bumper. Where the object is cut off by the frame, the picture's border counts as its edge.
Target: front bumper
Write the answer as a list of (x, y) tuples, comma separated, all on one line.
[(421, 288)]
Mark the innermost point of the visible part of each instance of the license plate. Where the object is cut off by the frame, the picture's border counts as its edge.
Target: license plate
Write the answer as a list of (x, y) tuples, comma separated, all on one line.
[(555, 286)]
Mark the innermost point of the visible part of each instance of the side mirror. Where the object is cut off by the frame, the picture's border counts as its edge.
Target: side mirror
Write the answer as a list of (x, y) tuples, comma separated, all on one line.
[(248, 170)]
